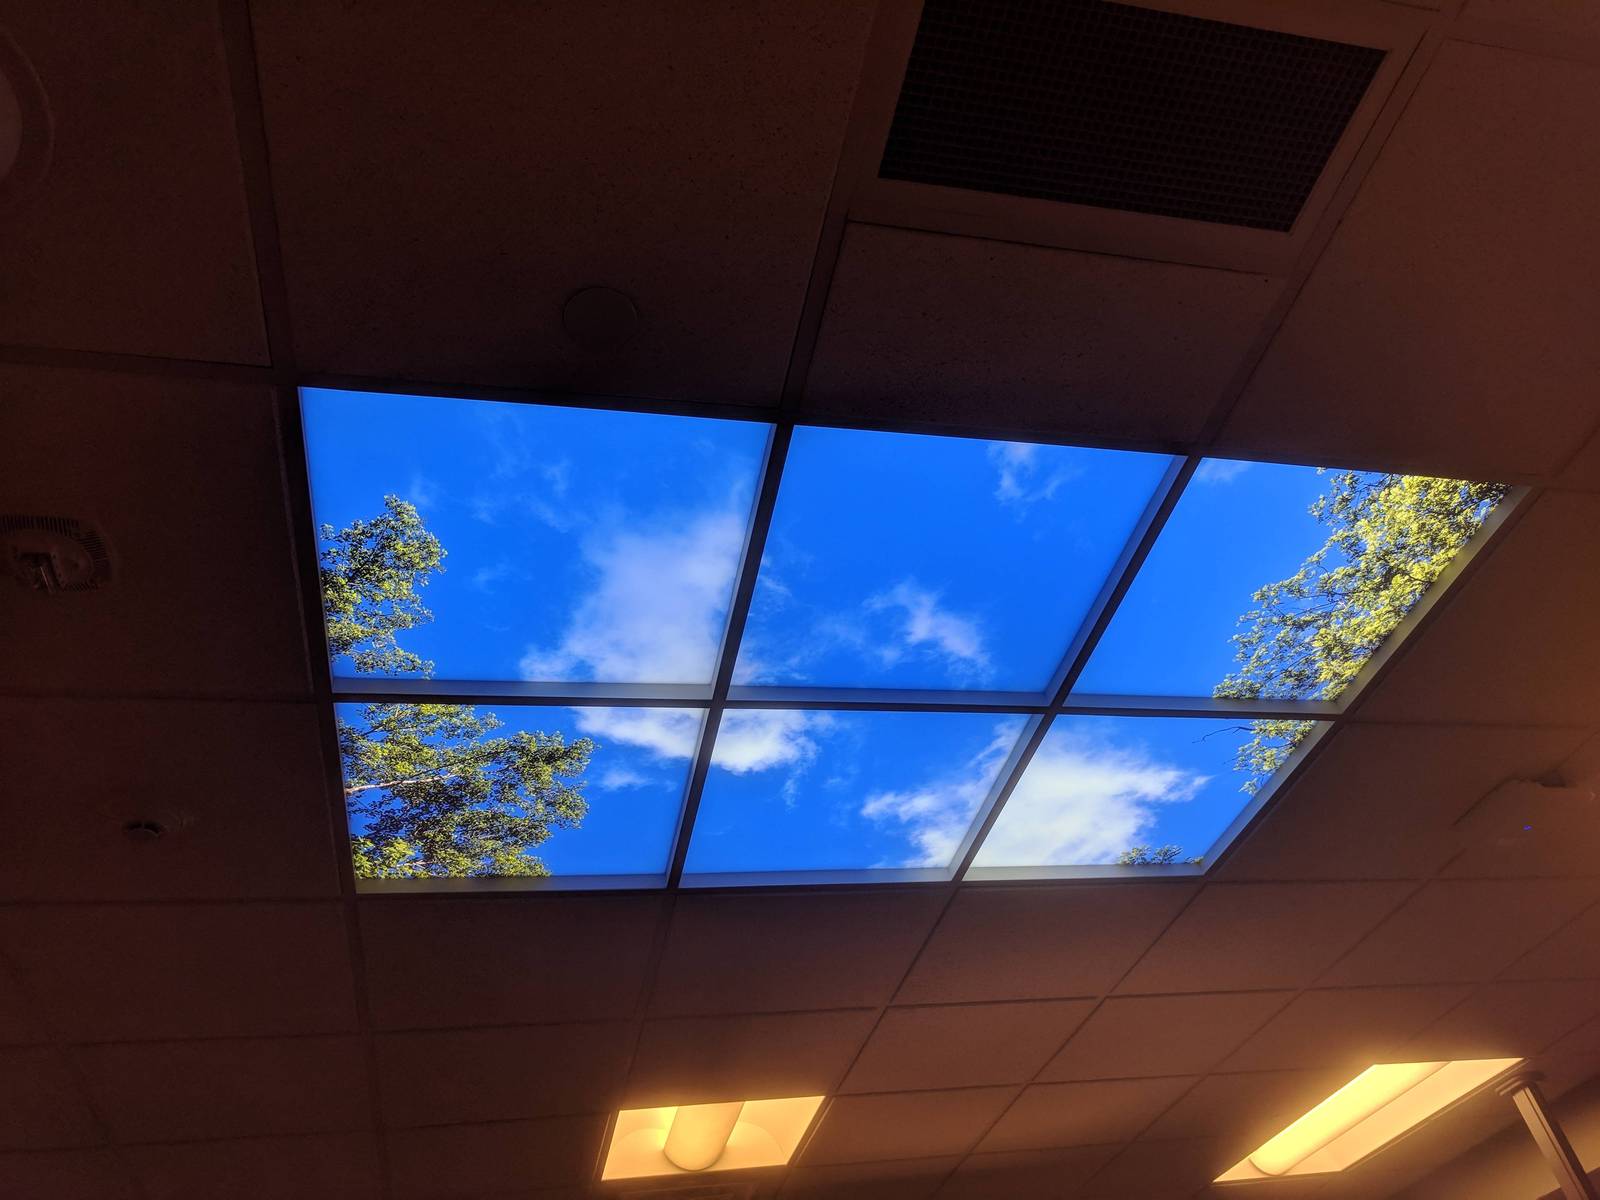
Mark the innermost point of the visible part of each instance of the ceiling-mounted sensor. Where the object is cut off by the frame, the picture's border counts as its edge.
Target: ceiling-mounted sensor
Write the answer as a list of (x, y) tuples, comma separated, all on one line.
[(53, 554)]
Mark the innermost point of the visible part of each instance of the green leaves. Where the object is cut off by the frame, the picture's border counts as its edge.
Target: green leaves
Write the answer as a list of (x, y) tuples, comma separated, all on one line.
[(371, 572), (435, 794), (1390, 537)]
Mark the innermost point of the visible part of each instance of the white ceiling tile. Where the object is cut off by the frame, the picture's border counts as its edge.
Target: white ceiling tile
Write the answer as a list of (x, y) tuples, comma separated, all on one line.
[(1261, 935), (1508, 1020), (150, 972), (1162, 1035), (1244, 1110), (1571, 952), (930, 327), (1001, 943), (240, 790), (1581, 17), (185, 482), (963, 1045), (506, 1158), (66, 1175), (278, 1168), (1461, 270), (907, 1179), (773, 951), (510, 959), (40, 1106), (1083, 1114), (1054, 1173), (1348, 1028), (897, 1125)]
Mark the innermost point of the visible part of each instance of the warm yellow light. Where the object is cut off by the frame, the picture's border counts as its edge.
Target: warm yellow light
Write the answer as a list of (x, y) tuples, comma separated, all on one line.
[(1364, 1115), (683, 1139)]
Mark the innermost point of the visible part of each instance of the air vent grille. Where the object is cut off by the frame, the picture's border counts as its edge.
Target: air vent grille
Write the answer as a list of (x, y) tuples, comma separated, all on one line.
[(1122, 107)]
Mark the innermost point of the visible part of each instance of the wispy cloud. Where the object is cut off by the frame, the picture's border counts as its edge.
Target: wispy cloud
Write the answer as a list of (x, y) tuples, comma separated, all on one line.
[(749, 740), (925, 624), (1084, 801), (1021, 480), (1220, 470), (619, 779), (936, 815), (486, 577), (422, 491)]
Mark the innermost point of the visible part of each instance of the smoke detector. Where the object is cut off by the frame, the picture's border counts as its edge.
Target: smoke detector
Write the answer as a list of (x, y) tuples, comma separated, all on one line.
[(53, 554)]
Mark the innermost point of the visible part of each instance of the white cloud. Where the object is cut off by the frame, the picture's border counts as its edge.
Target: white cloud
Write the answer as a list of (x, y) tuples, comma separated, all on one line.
[(621, 778), (486, 577), (925, 624), (422, 491), (937, 814), (1020, 483), (748, 740), (1084, 801), (654, 614), (1220, 470)]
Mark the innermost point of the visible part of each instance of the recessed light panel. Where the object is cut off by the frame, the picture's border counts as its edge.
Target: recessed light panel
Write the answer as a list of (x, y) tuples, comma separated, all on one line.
[(1366, 1114), (694, 1138)]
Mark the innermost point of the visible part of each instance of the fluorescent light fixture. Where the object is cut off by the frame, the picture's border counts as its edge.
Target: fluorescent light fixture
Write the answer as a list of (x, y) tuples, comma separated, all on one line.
[(689, 1138), (1363, 1116)]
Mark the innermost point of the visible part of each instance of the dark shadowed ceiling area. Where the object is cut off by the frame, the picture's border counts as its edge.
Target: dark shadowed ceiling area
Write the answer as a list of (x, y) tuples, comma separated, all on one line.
[(225, 201)]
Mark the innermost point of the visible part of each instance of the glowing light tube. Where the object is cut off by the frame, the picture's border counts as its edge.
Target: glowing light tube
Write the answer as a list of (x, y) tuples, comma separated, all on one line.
[(700, 1133)]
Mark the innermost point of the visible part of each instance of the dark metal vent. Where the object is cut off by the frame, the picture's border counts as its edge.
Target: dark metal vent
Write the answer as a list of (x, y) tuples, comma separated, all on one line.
[(1121, 107)]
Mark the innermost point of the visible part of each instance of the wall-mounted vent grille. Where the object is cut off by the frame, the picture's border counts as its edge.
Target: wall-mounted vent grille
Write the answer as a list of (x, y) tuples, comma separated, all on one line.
[(1122, 107)]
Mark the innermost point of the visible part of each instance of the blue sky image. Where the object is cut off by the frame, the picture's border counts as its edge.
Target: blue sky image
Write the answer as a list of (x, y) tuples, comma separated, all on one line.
[(592, 545)]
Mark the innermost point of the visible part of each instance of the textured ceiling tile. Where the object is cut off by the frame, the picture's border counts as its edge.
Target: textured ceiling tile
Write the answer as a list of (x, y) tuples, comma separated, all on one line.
[(1460, 275), (1245, 1109), (1159, 1170), (963, 1045), (930, 327), (904, 1125), (1261, 935), (66, 1175), (1348, 1028), (18, 1027), (135, 253), (291, 1168), (507, 960), (228, 1088), (1518, 642), (1025, 1173), (460, 1076), (153, 972), (40, 1107), (734, 953), (1160, 1035), (1572, 952), (1581, 17), (998, 943), (1380, 801), (1462, 930), (1506, 1020), (684, 1060), (681, 156), (239, 790), (908, 1179), (185, 482), (1083, 1114), (504, 1158)]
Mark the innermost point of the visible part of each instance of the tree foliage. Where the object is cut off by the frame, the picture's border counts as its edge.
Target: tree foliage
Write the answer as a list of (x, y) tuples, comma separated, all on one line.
[(1306, 637), (1145, 856), (431, 791)]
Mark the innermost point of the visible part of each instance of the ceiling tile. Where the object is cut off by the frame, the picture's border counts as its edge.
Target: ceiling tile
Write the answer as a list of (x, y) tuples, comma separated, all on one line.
[(40, 1107), (904, 1124), (17, 1024), (793, 950), (929, 327), (228, 1088), (1504, 1020), (240, 790), (1573, 1060), (1000, 943), (512, 959), (1426, 1150), (908, 1179), (1584, 470), (1035, 1173), (1573, 952), (507, 1158), (1581, 17), (684, 161), (1158, 1170), (459, 1076), (66, 1175), (278, 1168), (1161, 1035), (146, 253), (963, 1045), (1083, 1114), (1461, 269), (1518, 642), (1461, 930), (1261, 935), (1380, 801), (1245, 1109), (1348, 1028), (689, 1060), (184, 971), (202, 567)]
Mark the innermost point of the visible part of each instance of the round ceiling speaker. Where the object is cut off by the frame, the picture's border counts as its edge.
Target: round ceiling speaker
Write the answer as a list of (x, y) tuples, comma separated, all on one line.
[(53, 554), (24, 123), (600, 319)]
